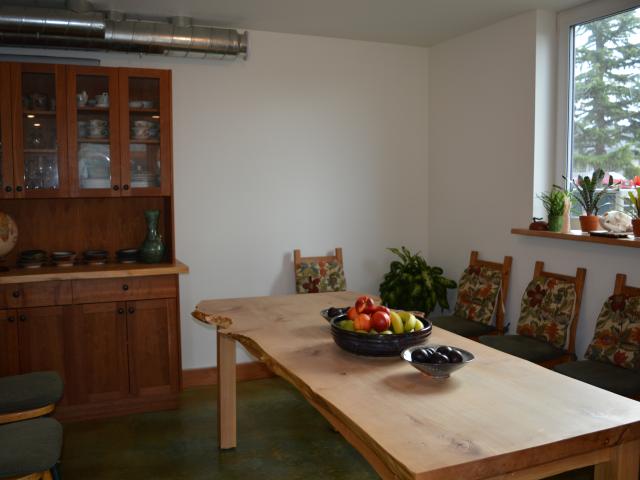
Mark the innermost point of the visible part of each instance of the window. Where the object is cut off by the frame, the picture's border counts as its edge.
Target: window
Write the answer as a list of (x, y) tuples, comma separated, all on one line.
[(603, 114)]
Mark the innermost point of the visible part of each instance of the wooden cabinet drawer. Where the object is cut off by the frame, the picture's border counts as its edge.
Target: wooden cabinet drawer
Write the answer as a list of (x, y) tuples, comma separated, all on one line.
[(37, 294), (122, 289)]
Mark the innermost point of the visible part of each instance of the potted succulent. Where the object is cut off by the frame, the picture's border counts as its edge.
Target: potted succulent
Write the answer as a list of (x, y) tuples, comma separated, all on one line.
[(554, 203), (586, 194), (635, 202), (413, 285)]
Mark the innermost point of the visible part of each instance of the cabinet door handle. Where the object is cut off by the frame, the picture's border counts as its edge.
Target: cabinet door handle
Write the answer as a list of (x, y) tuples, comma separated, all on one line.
[(19, 188), (16, 293), (8, 189), (125, 287), (23, 318), (125, 187), (11, 319), (131, 310), (121, 311), (116, 188)]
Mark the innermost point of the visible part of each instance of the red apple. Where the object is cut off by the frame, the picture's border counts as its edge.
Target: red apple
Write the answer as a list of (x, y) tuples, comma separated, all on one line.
[(381, 308), (364, 302), (352, 313), (362, 322), (380, 321)]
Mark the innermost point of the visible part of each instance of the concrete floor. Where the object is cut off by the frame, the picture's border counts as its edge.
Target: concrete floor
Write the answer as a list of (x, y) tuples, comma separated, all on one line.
[(281, 437)]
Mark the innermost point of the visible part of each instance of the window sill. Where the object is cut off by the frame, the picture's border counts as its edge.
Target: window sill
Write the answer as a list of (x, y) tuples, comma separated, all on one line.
[(578, 236)]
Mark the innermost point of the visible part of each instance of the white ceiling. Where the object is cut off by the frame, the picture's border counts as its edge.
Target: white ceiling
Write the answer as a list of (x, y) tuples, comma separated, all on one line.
[(411, 22)]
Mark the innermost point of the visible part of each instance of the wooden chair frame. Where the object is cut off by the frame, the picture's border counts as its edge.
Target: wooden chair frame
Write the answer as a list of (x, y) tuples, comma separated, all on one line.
[(505, 270), (46, 475), (578, 281), (26, 414), (297, 259), (621, 287)]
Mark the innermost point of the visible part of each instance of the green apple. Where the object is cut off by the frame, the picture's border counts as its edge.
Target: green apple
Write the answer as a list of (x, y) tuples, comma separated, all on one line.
[(347, 325)]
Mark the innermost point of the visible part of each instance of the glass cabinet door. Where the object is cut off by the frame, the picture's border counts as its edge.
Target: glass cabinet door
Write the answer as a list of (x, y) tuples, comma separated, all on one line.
[(6, 150), (94, 156), (40, 130), (145, 130)]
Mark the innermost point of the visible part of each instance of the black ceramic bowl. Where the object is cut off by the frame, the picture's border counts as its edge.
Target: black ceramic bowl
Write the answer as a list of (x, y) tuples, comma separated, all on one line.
[(34, 255), (327, 317), (377, 345)]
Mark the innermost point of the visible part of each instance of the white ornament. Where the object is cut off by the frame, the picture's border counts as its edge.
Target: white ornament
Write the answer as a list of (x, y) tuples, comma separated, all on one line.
[(615, 221)]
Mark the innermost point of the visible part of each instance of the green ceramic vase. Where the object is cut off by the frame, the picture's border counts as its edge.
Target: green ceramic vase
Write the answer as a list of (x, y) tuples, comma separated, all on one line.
[(555, 223), (152, 249)]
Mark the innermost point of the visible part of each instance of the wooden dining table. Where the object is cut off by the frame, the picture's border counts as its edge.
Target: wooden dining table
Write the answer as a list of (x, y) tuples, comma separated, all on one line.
[(499, 417)]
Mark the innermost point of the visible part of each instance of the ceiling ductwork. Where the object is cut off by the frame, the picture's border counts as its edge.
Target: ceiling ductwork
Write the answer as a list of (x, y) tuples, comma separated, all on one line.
[(90, 30)]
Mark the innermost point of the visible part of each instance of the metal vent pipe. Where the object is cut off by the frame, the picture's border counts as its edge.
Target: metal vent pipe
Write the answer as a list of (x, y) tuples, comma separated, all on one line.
[(56, 28)]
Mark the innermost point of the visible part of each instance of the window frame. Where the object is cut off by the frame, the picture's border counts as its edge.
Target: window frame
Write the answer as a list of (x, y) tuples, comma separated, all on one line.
[(566, 20)]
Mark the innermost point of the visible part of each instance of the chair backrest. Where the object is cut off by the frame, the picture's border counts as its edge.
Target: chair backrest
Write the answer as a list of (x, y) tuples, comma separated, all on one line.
[(505, 270), (319, 274), (578, 282), (622, 288), (298, 259)]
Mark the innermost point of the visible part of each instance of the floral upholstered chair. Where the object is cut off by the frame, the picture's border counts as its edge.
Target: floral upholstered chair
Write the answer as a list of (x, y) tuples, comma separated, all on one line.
[(612, 360), (482, 292), (549, 314), (319, 274)]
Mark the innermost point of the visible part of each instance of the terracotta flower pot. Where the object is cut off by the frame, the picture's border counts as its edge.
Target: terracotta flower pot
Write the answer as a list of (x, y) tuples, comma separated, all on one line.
[(636, 227), (589, 223)]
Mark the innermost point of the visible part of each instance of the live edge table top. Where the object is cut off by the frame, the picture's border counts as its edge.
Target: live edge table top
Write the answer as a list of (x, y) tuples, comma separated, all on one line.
[(498, 414)]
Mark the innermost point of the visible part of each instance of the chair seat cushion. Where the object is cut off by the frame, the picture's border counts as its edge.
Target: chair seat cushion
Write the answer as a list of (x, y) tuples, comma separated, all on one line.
[(30, 446), (29, 391), (604, 375), (524, 347), (462, 326)]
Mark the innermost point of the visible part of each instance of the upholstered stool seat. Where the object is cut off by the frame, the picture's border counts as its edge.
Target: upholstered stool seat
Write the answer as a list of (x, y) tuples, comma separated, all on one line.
[(29, 391), (28, 447), (462, 326), (524, 347), (604, 375)]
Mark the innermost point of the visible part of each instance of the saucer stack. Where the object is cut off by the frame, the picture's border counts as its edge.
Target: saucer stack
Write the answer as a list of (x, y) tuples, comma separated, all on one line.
[(32, 258), (127, 255), (63, 258), (96, 257)]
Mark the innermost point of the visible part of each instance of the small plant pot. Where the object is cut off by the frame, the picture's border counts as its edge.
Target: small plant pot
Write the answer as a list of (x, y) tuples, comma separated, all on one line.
[(555, 223), (589, 223), (636, 227)]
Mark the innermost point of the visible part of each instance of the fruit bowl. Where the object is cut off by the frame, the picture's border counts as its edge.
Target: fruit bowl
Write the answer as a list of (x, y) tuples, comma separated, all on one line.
[(377, 345), (329, 313), (435, 370)]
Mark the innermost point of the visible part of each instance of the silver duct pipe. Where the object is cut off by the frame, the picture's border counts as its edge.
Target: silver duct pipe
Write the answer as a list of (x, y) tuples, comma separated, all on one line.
[(54, 28)]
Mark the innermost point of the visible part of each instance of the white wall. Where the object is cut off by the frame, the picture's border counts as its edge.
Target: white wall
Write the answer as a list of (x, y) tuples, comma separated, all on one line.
[(312, 143), (482, 93)]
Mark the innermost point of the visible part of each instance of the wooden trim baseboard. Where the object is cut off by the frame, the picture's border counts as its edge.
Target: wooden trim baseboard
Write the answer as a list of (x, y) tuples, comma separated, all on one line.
[(200, 377)]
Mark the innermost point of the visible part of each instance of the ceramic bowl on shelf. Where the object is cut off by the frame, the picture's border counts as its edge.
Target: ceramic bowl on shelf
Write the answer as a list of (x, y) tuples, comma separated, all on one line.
[(135, 104), (95, 257), (127, 255), (63, 258), (147, 103), (33, 255)]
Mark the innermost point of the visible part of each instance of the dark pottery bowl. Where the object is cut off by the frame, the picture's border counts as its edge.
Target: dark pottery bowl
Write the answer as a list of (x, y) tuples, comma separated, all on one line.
[(442, 370), (62, 254), (377, 345), (33, 255), (95, 254)]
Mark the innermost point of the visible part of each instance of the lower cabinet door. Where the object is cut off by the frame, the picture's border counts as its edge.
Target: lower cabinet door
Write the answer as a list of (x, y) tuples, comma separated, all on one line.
[(42, 333), (152, 336), (98, 353), (8, 343)]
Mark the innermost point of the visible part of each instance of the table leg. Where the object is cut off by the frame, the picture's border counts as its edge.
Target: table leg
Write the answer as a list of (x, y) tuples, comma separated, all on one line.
[(624, 463), (226, 391)]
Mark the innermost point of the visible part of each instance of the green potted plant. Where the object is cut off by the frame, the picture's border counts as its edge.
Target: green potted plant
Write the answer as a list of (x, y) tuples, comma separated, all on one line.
[(413, 285), (554, 203), (635, 203), (590, 199)]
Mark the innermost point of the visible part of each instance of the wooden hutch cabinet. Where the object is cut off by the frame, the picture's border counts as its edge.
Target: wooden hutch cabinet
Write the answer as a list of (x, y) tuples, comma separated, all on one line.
[(84, 152)]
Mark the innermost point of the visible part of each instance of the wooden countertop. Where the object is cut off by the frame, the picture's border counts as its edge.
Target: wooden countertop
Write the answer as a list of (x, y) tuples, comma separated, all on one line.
[(83, 272)]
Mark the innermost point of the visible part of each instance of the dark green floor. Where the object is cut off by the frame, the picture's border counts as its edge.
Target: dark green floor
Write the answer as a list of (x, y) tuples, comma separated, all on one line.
[(281, 437)]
